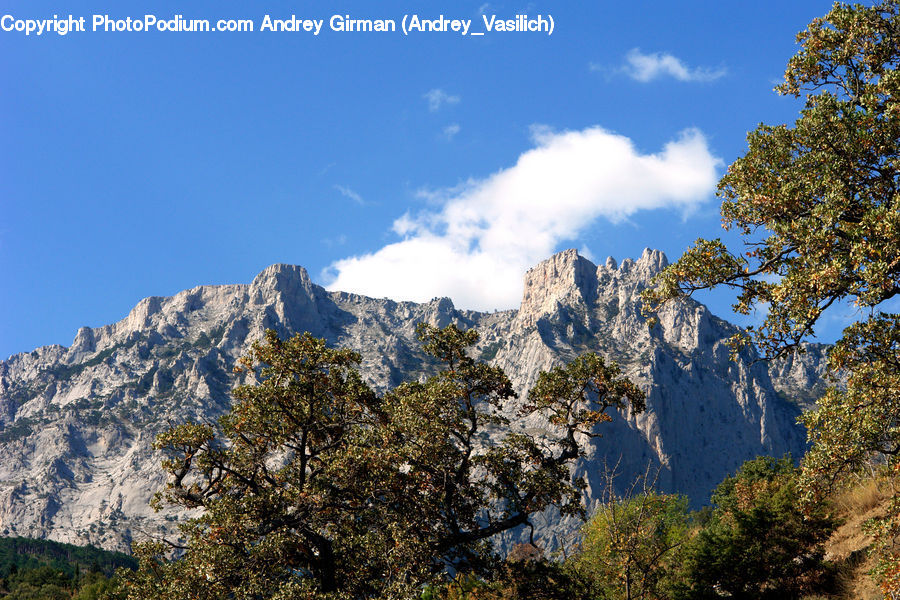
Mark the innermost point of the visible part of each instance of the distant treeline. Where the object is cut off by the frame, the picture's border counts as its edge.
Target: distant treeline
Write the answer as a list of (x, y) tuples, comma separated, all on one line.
[(20, 553), (42, 569)]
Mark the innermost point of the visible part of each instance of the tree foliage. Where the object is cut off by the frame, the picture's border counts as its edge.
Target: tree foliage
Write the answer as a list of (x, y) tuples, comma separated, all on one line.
[(816, 203), (45, 582), (630, 546), (19, 554), (315, 486), (33, 569), (758, 543), (818, 207)]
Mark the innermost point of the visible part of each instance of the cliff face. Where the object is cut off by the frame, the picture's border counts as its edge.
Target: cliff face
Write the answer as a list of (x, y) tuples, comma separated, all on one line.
[(76, 463)]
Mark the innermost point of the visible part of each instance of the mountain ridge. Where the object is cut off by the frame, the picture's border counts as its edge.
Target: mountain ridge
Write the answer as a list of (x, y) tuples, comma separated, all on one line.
[(77, 422)]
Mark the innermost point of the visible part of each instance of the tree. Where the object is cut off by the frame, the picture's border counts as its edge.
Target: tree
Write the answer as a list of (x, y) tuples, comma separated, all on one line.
[(631, 542), (817, 206), (758, 542), (315, 486)]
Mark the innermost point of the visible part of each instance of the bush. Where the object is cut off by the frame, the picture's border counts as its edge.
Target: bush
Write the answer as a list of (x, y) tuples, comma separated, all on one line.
[(758, 543)]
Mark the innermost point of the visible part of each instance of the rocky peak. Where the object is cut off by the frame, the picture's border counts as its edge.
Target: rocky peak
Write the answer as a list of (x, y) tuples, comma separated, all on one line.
[(84, 340), (633, 273), (440, 312), (291, 296), (289, 280), (564, 278), (140, 316), (568, 278), (651, 262)]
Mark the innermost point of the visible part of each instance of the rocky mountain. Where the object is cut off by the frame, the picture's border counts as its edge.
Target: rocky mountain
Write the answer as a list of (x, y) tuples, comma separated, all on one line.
[(77, 423)]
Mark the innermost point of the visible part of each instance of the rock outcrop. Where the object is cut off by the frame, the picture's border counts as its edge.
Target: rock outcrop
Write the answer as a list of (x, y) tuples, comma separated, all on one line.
[(77, 423)]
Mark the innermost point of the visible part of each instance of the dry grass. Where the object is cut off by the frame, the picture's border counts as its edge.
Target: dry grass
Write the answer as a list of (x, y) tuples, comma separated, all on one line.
[(862, 497), (849, 546)]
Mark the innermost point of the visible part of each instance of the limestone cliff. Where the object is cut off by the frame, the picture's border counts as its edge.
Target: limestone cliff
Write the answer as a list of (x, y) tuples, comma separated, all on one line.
[(76, 463)]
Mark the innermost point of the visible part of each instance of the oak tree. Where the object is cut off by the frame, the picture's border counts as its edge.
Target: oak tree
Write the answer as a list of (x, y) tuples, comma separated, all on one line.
[(632, 542), (315, 486)]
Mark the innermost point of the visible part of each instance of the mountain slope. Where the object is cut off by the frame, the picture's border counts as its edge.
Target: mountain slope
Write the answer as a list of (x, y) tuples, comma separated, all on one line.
[(76, 462)]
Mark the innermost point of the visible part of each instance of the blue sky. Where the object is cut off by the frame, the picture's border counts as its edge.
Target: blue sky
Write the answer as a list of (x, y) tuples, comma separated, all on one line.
[(143, 163)]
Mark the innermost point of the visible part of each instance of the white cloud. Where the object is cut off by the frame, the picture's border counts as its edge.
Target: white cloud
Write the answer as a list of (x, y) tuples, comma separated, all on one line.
[(450, 131), (476, 241), (352, 195), (647, 67), (437, 98)]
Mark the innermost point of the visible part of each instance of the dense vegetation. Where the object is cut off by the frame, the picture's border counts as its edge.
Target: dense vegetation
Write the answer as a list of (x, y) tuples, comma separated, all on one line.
[(753, 544), (41, 569)]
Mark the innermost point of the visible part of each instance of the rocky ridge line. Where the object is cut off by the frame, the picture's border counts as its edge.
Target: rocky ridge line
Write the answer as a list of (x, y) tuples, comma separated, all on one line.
[(77, 423)]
